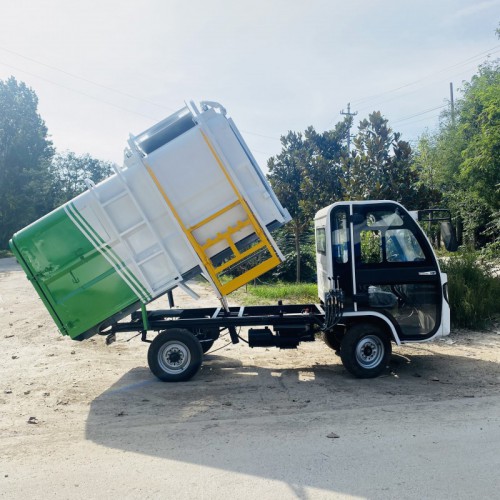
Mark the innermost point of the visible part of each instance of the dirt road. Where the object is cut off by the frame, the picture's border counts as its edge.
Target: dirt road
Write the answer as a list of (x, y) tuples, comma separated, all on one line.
[(86, 420)]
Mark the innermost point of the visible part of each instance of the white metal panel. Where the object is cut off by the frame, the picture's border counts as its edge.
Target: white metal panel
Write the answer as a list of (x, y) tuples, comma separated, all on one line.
[(241, 166), (129, 214), (191, 177)]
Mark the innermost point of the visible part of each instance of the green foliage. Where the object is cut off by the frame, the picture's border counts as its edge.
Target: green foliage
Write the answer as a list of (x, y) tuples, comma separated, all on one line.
[(492, 249), (473, 290), (424, 166), (70, 171), (371, 250), (462, 161), (306, 176), (381, 165), (324, 171), (287, 270), (293, 293), (479, 125), (25, 154)]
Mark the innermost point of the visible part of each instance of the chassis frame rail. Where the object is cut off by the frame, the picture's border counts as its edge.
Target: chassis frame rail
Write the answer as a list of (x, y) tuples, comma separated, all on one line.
[(218, 317)]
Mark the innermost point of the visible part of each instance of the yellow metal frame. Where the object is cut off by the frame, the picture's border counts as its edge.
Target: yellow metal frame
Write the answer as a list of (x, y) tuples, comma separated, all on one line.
[(201, 248)]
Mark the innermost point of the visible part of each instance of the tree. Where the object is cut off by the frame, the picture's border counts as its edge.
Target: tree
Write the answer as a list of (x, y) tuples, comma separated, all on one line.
[(479, 126), (286, 175), (308, 175), (324, 171), (425, 160), (25, 154), (382, 164), (464, 155), (70, 172)]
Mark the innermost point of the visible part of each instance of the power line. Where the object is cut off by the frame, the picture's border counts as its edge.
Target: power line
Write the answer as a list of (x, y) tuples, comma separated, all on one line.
[(79, 92), (111, 89), (419, 114), (419, 120), (72, 75), (465, 61), (399, 96)]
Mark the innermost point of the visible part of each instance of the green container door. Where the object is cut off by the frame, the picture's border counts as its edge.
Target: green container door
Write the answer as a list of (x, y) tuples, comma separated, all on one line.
[(77, 284)]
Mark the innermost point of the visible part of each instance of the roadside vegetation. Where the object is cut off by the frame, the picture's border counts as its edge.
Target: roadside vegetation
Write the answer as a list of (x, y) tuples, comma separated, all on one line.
[(474, 289)]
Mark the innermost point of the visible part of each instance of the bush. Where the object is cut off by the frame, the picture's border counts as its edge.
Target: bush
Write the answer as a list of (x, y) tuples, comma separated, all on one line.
[(474, 291), (492, 251), (286, 271)]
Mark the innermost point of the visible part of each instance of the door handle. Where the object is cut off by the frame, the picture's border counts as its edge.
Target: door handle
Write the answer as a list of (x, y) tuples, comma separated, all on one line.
[(427, 273)]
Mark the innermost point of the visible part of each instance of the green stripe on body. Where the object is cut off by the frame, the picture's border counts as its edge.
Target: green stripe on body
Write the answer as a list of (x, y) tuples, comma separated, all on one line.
[(113, 258)]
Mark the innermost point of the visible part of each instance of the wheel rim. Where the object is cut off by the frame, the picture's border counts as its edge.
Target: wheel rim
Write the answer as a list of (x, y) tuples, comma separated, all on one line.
[(174, 357), (370, 351)]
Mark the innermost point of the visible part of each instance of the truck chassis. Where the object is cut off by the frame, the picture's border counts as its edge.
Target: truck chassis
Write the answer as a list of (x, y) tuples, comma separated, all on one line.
[(176, 353)]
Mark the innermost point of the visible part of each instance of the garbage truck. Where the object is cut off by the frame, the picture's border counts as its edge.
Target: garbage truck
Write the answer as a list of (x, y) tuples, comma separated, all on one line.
[(190, 200)]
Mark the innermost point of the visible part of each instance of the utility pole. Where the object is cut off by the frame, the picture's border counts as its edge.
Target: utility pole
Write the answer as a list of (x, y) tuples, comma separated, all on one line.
[(452, 104), (349, 114), (349, 130)]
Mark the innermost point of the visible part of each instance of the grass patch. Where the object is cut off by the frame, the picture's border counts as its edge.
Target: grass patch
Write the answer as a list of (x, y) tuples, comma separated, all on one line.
[(290, 293), (473, 289)]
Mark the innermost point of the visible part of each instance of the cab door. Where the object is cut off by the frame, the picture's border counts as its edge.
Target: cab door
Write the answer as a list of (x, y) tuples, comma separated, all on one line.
[(341, 255), (395, 269)]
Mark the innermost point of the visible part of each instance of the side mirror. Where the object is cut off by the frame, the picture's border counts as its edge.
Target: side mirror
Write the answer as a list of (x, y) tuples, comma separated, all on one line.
[(448, 235)]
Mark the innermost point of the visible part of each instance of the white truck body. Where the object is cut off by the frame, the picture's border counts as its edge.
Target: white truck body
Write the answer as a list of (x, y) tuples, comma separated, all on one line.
[(185, 182)]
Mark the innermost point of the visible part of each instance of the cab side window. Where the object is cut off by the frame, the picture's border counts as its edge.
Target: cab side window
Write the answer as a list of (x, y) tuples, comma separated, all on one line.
[(385, 237), (340, 237), (321, 240)]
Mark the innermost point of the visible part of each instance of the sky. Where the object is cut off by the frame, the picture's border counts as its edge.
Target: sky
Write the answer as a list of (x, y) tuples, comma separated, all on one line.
[(105, 69)]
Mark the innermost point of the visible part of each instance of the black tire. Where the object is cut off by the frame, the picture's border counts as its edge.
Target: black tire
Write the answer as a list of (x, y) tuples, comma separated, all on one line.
[(175, 355), (331, 340), (365, 350), (207, 335), (206, 345)]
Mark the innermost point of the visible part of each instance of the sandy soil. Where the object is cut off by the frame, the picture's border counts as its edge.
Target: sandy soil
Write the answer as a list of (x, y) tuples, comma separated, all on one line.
[(55, 391)]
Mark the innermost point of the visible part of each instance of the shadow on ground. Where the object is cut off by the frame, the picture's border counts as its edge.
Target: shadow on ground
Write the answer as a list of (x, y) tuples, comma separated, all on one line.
[(262, 422)]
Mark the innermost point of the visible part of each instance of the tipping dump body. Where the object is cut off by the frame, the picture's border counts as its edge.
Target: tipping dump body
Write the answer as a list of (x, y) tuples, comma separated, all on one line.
[(189, 199)]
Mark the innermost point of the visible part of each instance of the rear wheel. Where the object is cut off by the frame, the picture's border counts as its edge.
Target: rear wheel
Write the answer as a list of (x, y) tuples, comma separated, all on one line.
[(175, 355), (365, 350)]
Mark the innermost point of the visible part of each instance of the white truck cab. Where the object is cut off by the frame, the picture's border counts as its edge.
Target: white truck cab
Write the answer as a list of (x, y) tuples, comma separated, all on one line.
[(381, 259)]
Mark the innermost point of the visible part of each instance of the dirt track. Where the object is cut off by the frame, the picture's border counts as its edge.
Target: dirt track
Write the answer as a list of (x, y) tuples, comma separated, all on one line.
[(86, 420)]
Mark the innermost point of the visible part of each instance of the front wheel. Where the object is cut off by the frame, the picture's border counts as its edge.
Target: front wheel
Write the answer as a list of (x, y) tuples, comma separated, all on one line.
[(175, 355), (365, 350), (331, 340)]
